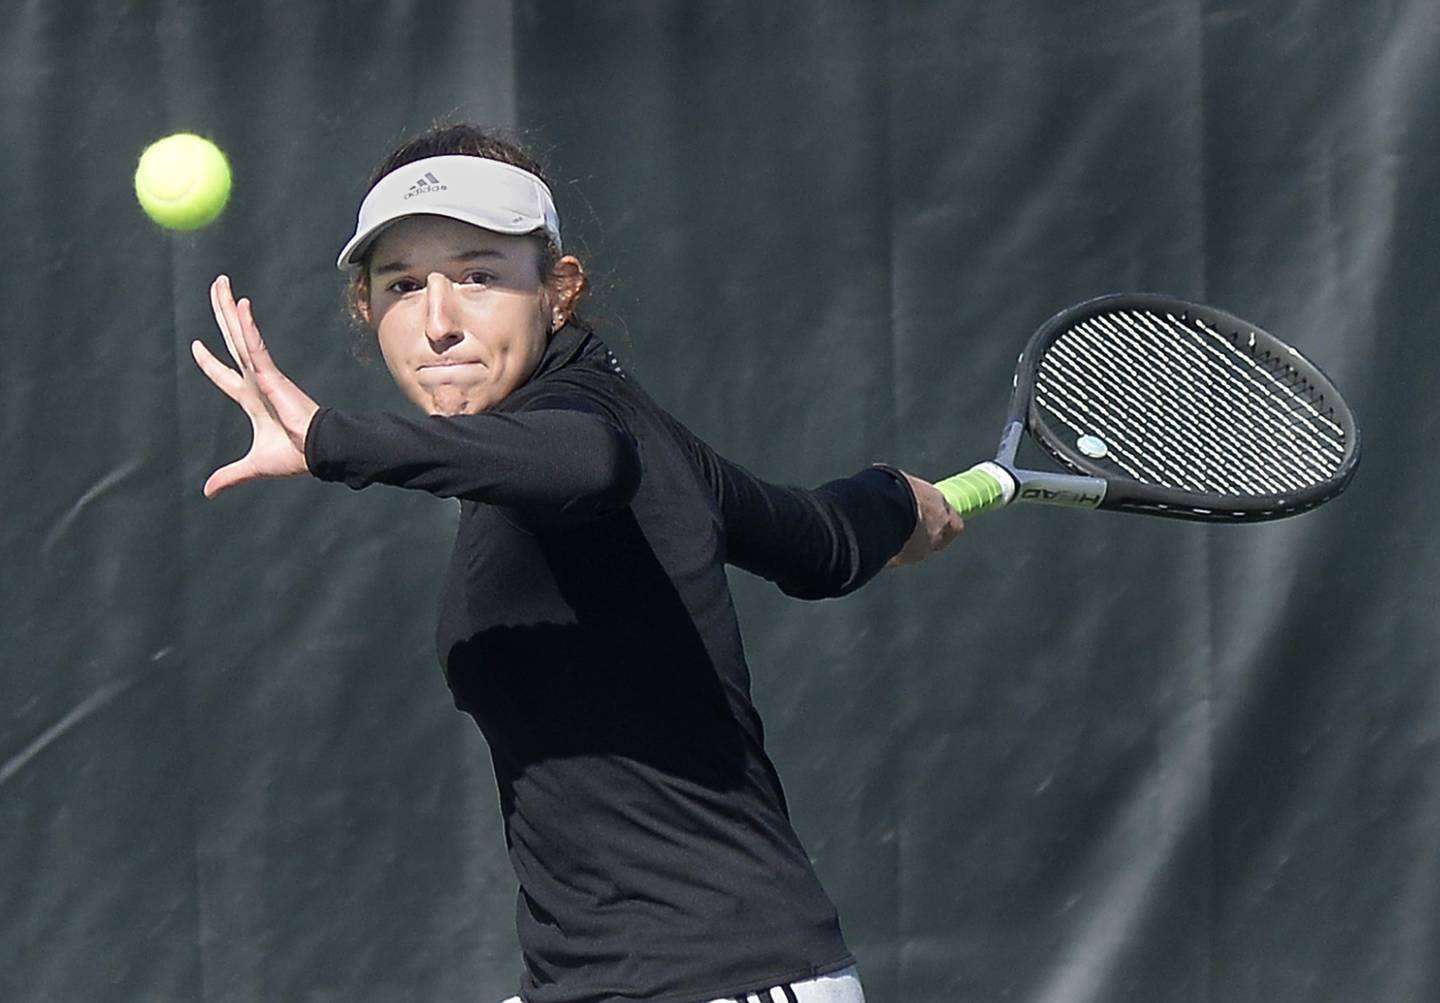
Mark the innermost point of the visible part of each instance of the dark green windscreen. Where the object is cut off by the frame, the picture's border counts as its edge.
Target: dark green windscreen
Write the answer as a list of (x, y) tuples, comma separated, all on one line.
[(1078, 757)]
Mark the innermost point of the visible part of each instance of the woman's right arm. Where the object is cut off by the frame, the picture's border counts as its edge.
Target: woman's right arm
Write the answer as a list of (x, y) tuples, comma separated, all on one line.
[(813, 543), (827, 541)]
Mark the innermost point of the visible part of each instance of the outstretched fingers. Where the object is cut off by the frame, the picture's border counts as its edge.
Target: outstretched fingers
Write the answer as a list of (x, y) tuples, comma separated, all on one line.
[(227, 319), (230, 383), (257, 355), (280, 412)]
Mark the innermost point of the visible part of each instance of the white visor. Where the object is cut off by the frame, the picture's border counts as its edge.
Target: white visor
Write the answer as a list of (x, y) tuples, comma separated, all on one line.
[(484, 193)]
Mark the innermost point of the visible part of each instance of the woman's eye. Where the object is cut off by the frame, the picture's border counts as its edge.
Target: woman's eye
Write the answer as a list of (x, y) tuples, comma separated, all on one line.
[(401, 287)]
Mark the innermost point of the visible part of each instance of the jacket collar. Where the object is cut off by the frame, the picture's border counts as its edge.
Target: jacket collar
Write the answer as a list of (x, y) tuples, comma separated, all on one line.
[(566, 346), (570, 346)]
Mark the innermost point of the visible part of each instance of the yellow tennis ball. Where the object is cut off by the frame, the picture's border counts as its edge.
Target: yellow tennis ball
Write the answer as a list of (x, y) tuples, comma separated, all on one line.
[(183, 181)]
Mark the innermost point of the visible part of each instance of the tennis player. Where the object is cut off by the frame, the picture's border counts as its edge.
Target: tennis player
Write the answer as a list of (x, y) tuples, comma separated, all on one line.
[(586, 623)]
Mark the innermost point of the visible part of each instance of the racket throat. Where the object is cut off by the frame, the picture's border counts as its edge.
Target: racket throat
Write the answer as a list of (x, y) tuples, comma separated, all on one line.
[(1066, 490), (1038, 487), (1009, 445)]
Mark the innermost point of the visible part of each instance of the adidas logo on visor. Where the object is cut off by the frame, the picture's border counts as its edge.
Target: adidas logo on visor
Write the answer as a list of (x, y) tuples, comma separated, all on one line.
[(427, 184)]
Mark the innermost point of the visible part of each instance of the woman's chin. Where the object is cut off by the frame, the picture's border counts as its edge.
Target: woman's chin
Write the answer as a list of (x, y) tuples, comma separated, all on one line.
[(448, 400)]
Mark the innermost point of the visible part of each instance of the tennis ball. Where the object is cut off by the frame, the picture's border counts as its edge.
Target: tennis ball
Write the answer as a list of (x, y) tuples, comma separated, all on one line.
[(183, 181)]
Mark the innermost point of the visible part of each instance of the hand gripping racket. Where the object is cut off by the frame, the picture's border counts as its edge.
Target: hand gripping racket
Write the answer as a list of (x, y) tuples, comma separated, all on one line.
[(1167, 408)]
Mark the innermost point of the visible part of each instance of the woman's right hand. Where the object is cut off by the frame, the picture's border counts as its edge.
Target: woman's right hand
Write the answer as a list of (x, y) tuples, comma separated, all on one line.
[(279, 411), (936, 524)]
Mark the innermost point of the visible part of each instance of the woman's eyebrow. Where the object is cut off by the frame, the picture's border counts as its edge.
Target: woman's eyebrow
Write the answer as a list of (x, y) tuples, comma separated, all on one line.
[(400, 265)]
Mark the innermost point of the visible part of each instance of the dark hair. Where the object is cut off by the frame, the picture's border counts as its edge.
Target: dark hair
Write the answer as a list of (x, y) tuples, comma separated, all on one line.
[(454, 139)]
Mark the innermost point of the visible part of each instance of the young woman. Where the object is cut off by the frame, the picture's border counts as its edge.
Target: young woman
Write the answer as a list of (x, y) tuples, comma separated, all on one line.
[(586, 623)]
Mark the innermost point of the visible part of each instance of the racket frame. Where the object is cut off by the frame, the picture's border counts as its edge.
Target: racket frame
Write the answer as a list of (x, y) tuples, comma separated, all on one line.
[(1090, 485)]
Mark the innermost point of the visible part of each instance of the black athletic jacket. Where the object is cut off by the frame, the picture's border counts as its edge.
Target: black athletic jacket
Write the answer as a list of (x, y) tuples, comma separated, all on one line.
[(586, 624)]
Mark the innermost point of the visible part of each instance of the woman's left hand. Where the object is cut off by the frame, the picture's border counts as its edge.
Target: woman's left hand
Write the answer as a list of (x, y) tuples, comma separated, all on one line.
[(278, 410), (936, 524)]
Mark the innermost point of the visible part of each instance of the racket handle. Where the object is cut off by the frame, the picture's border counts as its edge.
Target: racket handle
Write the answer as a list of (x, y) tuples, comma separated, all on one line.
[(983, 487)]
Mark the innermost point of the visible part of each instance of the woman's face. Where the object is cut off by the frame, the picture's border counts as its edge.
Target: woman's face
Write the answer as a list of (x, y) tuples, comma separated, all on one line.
[(461, 313)]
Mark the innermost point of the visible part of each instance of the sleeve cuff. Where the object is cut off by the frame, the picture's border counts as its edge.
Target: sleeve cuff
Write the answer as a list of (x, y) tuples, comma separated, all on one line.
[(314, 455), (899, 477)]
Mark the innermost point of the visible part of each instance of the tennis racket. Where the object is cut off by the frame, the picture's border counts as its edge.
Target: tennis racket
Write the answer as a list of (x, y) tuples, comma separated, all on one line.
[(1167, 408)]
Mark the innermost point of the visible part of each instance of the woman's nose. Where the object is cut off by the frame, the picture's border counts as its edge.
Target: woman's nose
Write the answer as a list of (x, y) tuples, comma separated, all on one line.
[(442, 323)]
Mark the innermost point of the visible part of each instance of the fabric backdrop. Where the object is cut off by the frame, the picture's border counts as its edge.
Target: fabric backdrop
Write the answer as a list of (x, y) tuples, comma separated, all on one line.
[(1075, 758)]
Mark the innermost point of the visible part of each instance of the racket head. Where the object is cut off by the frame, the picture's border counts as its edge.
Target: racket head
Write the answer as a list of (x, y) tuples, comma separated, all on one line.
[(1184, 410)]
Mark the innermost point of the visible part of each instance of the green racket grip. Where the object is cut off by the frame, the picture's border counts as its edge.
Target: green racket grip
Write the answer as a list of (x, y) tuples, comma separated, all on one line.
[(983, 487)]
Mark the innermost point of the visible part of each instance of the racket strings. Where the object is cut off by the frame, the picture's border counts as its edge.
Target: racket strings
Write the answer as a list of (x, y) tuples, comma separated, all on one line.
[(1276, 424), (1276, 408), (1216, 399), (1174, 452), (1298, 396), (1183, 405), (1281, 369), (1141, 443), (1237, 468), (1178, 461), (1262, 383), (1180, 404)]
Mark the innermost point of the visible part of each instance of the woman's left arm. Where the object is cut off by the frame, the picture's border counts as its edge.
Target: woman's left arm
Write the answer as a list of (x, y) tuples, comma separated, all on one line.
[(561, 458)]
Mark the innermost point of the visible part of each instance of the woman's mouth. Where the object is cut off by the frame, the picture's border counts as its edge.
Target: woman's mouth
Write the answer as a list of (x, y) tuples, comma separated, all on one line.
[(448, 369)]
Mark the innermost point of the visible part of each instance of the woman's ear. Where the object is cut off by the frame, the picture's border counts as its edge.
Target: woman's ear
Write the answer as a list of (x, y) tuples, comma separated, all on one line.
[(360, 299), (567, 284)]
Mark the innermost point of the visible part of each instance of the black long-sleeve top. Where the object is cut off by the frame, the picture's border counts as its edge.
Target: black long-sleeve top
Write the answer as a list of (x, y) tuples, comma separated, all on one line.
[(586, 624)]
